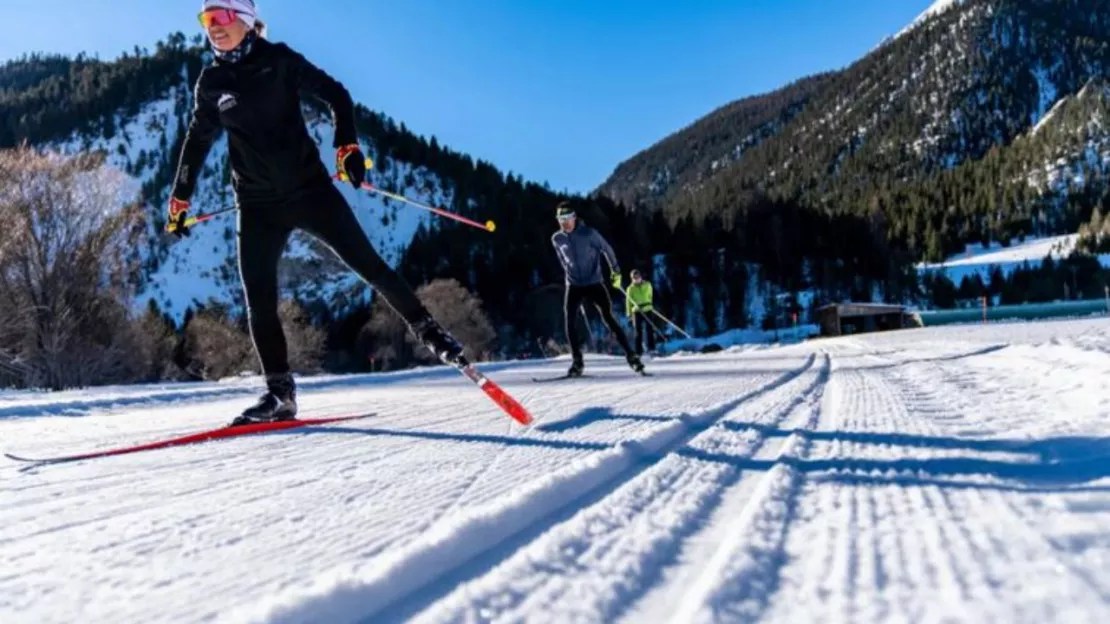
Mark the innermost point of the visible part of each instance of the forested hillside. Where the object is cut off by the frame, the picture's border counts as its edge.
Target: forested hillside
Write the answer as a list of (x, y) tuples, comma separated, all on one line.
[(942, 135), (984, 122)]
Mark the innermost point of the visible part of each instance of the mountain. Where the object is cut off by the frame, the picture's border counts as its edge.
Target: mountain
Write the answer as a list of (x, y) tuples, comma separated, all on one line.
[(135, 109), (982, 122), (931, 132), (695, 154)]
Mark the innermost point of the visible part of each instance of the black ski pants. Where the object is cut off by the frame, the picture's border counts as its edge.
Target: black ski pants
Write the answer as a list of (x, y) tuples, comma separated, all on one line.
[(264, 229), (644, 328), (598, 295)]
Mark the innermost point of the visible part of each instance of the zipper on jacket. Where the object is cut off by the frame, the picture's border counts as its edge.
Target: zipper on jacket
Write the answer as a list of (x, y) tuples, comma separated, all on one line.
[(574, 250)]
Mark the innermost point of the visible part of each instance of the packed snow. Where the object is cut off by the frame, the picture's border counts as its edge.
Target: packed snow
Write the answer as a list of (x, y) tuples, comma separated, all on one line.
[(944, 474)]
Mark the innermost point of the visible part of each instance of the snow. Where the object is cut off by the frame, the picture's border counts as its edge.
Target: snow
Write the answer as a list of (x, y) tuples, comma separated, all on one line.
[(203, 267), (938, 7), (740, 339), (977, 259), (1050, 114), (927, 475), (1047, 94), (1082, 145)]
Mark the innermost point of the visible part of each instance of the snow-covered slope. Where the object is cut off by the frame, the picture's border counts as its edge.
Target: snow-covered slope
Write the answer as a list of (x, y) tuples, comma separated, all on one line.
[(952, 474), (1074, 141), (977, 259), (204, 266), (936, 8)]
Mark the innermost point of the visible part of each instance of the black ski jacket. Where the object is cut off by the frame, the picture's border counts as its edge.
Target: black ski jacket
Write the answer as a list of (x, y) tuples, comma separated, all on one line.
[(258, 101)]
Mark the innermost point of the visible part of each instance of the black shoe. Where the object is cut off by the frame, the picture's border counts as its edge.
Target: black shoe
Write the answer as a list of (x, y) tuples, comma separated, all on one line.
[(279, 403), (439, 342), (575, 369), (635, 363)]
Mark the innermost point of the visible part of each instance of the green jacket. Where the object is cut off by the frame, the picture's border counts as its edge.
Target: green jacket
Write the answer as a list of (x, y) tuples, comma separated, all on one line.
[(639, 298)]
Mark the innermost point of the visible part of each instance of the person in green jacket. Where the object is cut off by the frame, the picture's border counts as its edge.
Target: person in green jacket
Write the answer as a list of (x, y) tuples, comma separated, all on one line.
[(638, 303)]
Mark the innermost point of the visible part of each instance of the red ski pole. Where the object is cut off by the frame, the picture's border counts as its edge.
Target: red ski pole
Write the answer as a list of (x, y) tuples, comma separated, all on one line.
[(488, 226)]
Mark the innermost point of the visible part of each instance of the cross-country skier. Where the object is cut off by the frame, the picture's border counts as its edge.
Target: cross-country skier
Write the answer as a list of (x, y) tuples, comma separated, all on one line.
[(253, 91), (580, 249), (638, 307)]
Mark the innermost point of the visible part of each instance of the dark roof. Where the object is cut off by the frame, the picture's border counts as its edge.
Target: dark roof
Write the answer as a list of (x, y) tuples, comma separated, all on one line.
[(864, 309)]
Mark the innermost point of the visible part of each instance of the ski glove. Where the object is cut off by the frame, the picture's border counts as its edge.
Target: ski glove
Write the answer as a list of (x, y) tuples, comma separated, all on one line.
[(618, 283), (179, 210), (351, 164)]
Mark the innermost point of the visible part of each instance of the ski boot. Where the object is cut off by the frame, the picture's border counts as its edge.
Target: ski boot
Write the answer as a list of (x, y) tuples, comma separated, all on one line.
[(439, 342), (575, 369), (279, 402), (635, 362)]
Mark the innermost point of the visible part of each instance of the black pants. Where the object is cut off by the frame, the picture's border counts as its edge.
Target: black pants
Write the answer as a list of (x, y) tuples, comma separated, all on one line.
[(264, 229), (644, 327), (598, 295)]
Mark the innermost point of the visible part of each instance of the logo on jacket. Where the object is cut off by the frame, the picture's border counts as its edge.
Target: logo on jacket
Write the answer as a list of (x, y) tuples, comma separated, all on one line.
[(226, 102)]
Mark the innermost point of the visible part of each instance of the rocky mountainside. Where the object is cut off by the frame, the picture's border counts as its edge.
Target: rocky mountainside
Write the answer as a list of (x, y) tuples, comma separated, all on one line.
[(983, 121), (915, 133), (136, 108)]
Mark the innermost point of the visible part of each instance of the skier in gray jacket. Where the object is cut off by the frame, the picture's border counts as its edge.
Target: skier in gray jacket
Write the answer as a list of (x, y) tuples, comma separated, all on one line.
[(580, 249)]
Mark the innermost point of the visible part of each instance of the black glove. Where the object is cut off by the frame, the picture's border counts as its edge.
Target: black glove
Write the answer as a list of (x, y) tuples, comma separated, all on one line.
[(351, 164)]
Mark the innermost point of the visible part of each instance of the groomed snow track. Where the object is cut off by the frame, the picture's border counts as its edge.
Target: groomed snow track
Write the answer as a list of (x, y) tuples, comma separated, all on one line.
[(953, 474)]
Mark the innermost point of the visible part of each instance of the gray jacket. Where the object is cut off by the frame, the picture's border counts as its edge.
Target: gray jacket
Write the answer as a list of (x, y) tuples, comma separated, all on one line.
[(580, 253)]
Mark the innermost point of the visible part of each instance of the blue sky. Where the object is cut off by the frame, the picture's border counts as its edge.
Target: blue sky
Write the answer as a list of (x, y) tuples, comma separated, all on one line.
[(559, 91)]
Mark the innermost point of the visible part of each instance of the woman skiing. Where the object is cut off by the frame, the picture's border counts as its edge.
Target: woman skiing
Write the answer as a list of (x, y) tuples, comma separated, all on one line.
[(252, 90)]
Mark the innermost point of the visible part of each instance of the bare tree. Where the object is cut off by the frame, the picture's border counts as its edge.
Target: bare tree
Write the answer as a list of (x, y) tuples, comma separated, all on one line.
[(69, 231), (385, 332), (216, 347), (460, 312), (153, 341), (457, 309), (306, 343)]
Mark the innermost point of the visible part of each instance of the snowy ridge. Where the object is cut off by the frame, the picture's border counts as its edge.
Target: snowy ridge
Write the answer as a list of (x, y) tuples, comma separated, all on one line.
[(203, 267), (1047, 117), (936, 474), (979, 260), (938, 7), (1079, 126)]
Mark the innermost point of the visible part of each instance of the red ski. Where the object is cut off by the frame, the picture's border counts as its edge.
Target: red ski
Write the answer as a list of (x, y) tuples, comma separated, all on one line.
[(204, 436), (511, 406)]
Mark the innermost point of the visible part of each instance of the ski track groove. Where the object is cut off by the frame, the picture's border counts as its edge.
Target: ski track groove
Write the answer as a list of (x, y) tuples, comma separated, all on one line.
[(402, 583), (893, 477), (621, 516), (738, 581), (852, 584), (351, 462), (964, 561), (941, 387), (497, 484), (494, 485)]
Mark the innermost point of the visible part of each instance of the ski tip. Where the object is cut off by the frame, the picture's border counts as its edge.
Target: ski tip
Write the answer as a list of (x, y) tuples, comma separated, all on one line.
[(26, 460)]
